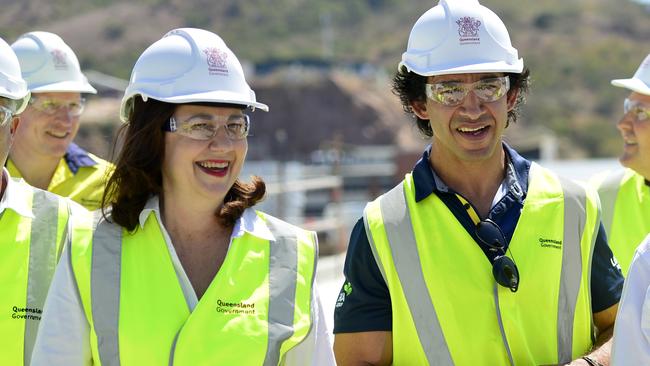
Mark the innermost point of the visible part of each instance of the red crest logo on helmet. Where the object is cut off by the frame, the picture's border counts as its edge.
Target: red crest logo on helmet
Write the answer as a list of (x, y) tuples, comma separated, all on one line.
[(59, 59), (216, 59), (468, 30)]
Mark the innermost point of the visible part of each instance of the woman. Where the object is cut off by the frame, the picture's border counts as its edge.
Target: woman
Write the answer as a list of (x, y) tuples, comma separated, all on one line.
[(182, 270)]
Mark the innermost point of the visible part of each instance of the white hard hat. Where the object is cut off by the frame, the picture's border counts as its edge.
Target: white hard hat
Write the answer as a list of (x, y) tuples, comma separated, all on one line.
[(189, 65), (460, 36), (12, 85), (49, 65), (640, 82)]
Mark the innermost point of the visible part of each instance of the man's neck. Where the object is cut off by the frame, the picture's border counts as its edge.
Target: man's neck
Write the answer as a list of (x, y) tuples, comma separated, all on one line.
[(36, 170), (477, 181)]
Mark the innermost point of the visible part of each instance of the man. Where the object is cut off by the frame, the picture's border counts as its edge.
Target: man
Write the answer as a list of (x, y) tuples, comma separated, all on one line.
[(44, 154), (479, 257), (34, 226), (625, 194), (631, 342)]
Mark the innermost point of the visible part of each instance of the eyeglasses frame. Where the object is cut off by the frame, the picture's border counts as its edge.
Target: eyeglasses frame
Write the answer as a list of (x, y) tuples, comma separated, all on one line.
[(172, 126)]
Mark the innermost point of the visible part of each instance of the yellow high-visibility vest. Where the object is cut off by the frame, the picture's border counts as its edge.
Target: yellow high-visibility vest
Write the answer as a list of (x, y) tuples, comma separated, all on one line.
[(30, 247), (447, 308), (257, 307), (625, 202), (85, 187)]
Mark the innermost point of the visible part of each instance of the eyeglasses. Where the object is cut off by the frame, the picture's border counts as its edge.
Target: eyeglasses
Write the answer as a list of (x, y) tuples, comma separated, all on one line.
[(641, 110), (452, 93), (5, 115), (200, 128), (504, 269), (52, 106)]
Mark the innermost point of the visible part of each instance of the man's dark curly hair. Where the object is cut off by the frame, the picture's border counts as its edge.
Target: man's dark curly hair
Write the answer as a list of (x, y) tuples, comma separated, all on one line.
[(410, 87)]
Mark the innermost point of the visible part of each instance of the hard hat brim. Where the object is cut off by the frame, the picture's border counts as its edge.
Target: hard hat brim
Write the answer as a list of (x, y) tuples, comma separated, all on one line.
[(208, 97), (473, 68), (21, 101), (633, 84), (64, 87), (212, 97)]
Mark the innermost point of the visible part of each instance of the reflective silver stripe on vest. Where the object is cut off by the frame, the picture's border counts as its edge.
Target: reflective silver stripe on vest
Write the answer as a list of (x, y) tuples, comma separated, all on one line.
[(608, 191), (173, 348), (575, 217), (283, 267), (399, 231), (373, 247), (105, 289), (43, 256)]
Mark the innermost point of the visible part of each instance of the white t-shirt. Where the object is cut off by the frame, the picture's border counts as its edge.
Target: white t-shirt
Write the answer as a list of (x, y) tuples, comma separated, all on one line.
[(64, 332), (632, 329)]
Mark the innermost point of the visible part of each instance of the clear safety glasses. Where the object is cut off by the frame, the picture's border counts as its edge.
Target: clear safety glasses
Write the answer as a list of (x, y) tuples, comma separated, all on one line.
[(202, 128), (640, 110), (5, 115), (452, 93), (504, 269), (51, 106)]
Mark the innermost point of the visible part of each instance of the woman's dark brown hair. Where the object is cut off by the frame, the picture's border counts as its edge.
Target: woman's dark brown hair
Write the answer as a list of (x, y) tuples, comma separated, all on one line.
[(138, 176)]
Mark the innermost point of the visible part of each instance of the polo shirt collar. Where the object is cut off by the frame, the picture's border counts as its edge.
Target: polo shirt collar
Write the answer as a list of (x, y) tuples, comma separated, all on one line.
[(249, 222), (76, 158), (426, 180)]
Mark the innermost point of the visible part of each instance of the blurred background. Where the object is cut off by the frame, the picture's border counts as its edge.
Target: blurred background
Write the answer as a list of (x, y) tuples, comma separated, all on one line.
[(335, 136)]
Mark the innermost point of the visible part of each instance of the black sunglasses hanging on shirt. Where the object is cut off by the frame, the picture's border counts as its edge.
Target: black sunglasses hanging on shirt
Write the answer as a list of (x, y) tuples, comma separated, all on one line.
[(504, 269)]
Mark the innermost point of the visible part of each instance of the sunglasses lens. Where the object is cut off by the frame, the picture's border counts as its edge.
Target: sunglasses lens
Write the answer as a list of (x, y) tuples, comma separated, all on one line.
[(489, 233), (505, 273)]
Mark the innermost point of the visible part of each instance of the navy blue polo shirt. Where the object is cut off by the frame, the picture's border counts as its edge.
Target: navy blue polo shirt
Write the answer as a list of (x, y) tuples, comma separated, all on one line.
[(364, 302)]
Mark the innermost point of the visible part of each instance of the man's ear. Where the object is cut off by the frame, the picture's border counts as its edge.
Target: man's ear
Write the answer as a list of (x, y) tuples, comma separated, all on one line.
[(419, 107), (512, 98), (14, 124)]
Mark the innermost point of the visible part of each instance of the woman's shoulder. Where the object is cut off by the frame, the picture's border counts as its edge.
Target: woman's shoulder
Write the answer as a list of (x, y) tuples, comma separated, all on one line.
[(276, 224)]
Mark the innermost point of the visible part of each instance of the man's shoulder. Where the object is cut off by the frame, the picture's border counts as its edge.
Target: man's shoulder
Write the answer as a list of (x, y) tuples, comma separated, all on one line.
[(254, 219), (643, 250), (40, 196), (47, 195), (610, 179), (101, 164)]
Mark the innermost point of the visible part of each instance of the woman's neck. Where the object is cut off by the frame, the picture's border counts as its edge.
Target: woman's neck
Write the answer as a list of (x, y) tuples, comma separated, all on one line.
[(200, 241), (186, 220)]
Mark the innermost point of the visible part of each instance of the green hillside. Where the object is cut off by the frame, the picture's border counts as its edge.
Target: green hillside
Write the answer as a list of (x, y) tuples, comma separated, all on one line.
[(572, 47)]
